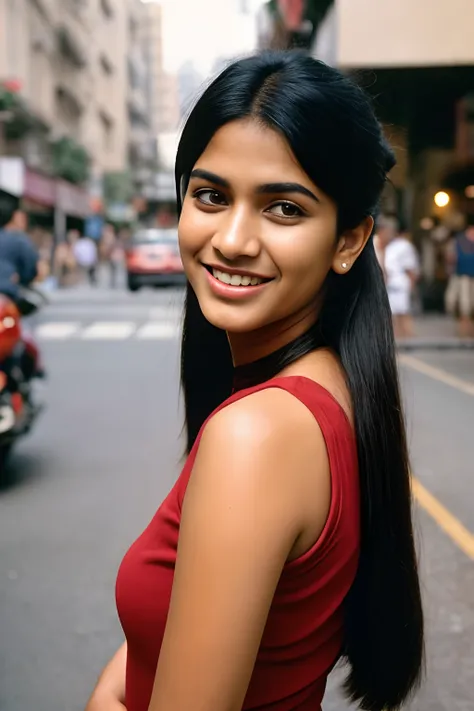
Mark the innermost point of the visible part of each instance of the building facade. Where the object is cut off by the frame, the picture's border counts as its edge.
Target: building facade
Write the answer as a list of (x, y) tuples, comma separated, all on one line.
[(142, 144), (152, 41), (69, 76), (417, 59), (163, 88), (75, 80)]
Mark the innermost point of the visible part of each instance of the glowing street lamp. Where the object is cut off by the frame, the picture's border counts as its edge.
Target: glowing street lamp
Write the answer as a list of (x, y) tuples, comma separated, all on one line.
[(441, 199)]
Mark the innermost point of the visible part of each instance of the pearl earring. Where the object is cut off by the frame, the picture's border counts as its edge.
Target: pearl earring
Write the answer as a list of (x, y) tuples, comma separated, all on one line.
[(344, 265)]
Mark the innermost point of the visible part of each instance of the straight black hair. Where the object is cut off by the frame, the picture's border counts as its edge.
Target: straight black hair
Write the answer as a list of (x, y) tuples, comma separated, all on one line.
[(331, 128)]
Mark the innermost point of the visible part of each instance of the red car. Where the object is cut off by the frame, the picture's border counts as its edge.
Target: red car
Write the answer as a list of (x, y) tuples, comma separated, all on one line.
[(153, 259)]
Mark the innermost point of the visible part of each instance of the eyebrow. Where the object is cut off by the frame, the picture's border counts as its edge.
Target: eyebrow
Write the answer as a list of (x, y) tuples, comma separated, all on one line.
[(287, 188), (211, 177), (268, 188)]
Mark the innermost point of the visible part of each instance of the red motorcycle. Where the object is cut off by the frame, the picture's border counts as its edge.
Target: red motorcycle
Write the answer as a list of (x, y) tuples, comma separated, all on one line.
[(20, 369)]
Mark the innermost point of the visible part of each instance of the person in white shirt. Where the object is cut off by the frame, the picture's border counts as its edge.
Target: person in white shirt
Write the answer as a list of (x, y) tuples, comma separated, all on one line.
[(86, 256), (401, 268)]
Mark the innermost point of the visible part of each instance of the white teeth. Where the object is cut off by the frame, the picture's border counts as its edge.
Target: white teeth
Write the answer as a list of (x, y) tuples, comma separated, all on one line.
[(236, 279)]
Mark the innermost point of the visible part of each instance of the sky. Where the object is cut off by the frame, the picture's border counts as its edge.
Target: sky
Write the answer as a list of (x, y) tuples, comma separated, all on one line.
[(203, 30)]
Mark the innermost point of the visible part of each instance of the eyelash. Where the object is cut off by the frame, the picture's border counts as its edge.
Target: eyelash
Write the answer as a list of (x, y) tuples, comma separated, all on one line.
[(197, 194)]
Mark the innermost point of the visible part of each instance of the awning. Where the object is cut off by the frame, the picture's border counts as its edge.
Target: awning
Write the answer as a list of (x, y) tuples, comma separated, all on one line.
[(39, 188)]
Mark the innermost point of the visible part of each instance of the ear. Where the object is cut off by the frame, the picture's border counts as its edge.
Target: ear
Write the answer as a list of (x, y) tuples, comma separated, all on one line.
[(350, 245)]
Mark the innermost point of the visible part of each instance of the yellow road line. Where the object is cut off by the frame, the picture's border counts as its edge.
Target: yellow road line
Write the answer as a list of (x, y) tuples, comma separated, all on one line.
[(458, 533), (437, 374)]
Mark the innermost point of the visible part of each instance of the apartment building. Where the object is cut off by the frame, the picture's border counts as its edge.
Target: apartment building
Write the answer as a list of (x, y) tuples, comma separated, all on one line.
[(417, 58), (67, 57), (152, 41), (163, 87), (142, 145), (421, 56)]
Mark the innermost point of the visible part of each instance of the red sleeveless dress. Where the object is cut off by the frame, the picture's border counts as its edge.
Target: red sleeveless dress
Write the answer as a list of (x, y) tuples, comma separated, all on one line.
[(304, 631)]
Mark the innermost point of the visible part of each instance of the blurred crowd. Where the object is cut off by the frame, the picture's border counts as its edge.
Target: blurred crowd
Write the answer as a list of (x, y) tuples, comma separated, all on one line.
[(451, 253), (76, 258)]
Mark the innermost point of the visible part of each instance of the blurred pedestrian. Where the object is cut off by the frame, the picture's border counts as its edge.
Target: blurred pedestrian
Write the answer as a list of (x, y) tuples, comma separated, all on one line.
[(287, 540), (460, 291), (111, 253), (402, 269), (86, 255), (18, 256), (64, 261), (379, 252)]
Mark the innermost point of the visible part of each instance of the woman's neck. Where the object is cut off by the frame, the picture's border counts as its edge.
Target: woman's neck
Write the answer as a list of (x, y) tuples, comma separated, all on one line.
[(253, 346)]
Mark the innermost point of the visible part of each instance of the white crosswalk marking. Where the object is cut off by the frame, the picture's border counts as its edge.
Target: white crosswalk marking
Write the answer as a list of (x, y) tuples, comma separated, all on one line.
[(109, 331), (56, 331), (158, 330)]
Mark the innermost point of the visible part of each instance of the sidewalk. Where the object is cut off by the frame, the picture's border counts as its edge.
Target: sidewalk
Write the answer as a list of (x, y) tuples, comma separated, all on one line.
[(435, 332)]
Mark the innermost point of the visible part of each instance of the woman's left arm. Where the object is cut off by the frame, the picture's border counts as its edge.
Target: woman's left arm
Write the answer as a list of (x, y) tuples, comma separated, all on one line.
[(241, 516)]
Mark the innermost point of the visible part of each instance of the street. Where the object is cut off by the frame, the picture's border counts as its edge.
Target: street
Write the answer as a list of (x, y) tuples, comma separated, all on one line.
[(106, 452)]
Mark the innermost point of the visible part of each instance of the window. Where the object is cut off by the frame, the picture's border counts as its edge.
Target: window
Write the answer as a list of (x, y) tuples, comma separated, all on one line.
[(107, 129), (106, 65), (107, 7)]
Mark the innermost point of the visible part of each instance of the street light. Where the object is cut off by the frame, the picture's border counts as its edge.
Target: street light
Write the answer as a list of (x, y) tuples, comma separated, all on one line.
[(441, 199)]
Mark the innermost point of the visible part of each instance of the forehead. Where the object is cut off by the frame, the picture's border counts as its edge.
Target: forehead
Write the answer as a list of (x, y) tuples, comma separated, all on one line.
[(247, 150)]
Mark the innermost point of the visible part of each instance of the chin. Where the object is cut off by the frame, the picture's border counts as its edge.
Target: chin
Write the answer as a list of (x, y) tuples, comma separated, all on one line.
[(232, 319)]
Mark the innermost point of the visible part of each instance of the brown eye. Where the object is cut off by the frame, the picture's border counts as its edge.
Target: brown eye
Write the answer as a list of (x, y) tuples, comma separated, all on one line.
[(287, 210), (210, 197)]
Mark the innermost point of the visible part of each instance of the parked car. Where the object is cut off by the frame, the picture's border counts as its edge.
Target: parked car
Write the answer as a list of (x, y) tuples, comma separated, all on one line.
[(153, 259)]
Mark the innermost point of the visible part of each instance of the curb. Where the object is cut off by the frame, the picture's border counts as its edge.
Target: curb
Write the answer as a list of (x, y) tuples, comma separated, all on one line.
[(436, 344)]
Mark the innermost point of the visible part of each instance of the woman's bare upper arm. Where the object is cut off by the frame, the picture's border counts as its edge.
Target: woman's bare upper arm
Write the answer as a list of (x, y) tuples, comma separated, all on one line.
[(240, 519)]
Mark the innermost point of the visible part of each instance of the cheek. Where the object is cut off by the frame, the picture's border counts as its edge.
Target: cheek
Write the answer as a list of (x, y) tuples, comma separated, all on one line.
[(193, 230), (306, 255)]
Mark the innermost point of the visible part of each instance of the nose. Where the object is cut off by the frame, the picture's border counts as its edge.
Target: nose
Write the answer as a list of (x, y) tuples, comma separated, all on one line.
[(237, 235)]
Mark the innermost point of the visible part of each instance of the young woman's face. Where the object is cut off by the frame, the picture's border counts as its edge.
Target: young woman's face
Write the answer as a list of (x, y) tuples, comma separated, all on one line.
[(257, 237)]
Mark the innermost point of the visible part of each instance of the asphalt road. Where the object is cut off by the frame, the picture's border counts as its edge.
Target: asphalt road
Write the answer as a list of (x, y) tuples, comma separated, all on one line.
[(107, 451)]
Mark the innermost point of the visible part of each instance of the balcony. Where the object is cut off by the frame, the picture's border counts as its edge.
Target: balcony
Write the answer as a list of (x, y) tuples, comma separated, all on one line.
[(107, 7), (72, 33), (137, 67), (137, 103), (47, 8), (73, 81), (105, 91)]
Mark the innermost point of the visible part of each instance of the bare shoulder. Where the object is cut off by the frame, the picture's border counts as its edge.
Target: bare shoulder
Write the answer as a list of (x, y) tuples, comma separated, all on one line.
[(266, 451), (264, 423)]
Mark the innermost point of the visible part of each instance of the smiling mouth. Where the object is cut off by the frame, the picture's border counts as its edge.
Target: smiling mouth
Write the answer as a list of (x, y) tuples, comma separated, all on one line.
[(236, 279)]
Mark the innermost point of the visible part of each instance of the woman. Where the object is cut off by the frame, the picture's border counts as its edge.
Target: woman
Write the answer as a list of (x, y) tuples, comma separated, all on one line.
[(293, 508)]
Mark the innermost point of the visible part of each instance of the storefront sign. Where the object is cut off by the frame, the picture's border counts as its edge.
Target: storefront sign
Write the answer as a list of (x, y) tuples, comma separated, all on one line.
[(39, 188), (12, 176)]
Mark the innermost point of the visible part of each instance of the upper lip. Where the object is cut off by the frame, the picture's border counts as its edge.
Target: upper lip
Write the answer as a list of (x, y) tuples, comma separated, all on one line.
[(239, 272)]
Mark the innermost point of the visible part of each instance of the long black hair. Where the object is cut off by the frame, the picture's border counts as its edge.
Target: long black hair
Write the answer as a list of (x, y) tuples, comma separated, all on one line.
[(331, 128)]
